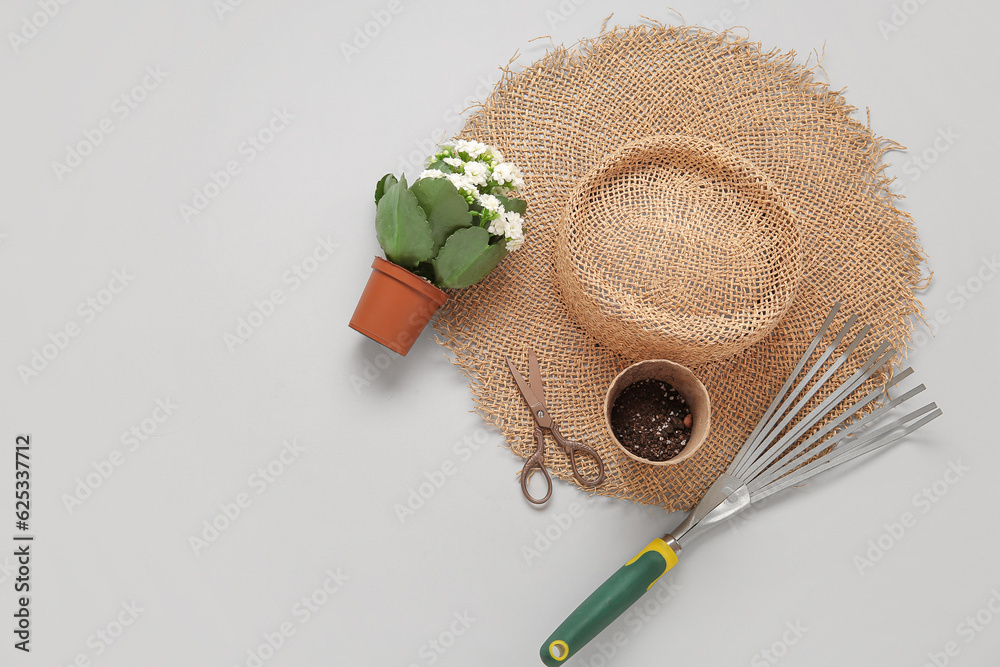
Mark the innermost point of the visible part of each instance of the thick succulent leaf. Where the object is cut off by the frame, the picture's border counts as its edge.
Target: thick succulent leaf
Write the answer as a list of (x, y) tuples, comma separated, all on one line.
[(402, 227), (466, 258), (446, 210), (441, 165), (513, 204), (383, 185)]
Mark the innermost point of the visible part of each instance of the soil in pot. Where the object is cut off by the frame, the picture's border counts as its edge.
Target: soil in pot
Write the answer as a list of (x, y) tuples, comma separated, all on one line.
[(652, 420)]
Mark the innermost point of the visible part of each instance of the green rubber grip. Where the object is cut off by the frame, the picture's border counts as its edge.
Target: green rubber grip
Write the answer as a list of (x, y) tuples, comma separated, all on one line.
[(608, 602)]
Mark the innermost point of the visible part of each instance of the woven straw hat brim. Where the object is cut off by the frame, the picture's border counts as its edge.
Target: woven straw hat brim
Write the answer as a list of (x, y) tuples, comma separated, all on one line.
[(566, 113)]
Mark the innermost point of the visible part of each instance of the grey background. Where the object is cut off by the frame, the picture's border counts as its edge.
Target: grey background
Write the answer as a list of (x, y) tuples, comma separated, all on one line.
[(374, 426)]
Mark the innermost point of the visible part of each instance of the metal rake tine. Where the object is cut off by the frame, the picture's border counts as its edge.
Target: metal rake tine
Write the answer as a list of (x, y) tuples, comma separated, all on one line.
[(863, 446), (787, 412), (781, 457), (788, 463), (846, 433), (871, 366), (927, 414), (825, 463), (787, 395), (898, 377), (772, 452), (787, 385)]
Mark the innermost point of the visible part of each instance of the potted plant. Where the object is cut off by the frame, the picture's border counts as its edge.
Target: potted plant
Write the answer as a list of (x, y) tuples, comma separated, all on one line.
[(448, 230)]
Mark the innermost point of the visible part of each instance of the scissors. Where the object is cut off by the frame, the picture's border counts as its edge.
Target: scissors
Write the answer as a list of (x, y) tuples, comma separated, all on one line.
[(534, 396)]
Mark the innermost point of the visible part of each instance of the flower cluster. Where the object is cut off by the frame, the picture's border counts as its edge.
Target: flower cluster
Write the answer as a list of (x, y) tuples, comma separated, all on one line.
[(480, 175)]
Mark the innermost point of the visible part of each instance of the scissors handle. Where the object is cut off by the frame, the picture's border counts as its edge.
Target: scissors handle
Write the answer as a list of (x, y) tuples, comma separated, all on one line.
[(536, 462), (573, 448)]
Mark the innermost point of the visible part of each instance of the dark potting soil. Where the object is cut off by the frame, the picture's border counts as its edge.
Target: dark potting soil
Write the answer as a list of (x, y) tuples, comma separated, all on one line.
[(648, 418)]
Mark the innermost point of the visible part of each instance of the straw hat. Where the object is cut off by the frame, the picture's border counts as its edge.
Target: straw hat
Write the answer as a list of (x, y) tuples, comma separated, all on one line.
[(689, 197)]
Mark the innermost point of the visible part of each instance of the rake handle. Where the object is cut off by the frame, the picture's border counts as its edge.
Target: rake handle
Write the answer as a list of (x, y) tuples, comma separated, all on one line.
[(608, 602)]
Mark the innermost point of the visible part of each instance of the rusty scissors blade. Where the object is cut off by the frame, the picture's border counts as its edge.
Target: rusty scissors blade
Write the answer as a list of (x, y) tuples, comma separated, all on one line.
[(535, 401), (534, 396)]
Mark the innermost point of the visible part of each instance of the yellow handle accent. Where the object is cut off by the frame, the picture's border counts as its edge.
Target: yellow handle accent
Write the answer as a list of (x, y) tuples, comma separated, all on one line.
[(563, 648), (661, 547)]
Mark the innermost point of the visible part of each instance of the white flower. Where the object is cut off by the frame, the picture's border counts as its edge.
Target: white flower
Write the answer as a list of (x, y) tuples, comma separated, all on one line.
[(509, 225), (454, 161), (461, 182), (490, 203), (491, 156), (477, 172), (502, 173), (431, 173), (506, 173), (471, 148), (513, 225)]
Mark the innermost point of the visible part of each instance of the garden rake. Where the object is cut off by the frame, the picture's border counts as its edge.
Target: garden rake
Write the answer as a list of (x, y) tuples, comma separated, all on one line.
[(779, 453)]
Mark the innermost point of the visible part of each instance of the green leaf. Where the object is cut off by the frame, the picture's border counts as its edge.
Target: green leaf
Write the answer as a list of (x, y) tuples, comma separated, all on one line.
[(402, 227), (383, 185), (513, 204), (446, 209), (467, 257), (443, 166)]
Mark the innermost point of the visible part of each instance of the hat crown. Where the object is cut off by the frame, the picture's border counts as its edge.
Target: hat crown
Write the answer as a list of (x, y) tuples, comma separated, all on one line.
[(675, 247)]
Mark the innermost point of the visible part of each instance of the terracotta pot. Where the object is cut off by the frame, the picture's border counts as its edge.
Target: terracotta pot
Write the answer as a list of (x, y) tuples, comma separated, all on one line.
[(687, 385), (395, 306)]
